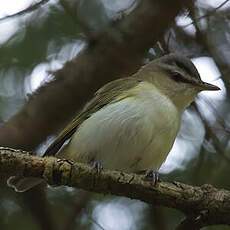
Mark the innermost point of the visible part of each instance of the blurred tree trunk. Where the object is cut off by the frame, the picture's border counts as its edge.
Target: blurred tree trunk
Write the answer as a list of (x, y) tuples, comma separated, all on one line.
[(112, 55)]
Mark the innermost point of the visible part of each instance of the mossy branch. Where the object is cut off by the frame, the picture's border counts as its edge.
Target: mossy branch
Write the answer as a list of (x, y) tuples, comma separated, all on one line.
[(206, 205)]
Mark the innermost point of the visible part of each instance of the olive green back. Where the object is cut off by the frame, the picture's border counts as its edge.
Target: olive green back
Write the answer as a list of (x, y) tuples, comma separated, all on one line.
[(110, 93)]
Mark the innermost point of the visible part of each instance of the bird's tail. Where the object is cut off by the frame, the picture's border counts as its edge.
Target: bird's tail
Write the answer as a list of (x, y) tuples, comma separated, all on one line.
[(22, 184)]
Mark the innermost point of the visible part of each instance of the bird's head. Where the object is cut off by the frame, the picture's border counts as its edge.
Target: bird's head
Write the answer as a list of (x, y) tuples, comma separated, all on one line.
[(177, 77)]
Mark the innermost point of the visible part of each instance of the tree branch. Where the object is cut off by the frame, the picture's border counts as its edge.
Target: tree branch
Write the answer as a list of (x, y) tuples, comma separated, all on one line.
[(209, 14), (115, 52), (192, 200), (29, 9)]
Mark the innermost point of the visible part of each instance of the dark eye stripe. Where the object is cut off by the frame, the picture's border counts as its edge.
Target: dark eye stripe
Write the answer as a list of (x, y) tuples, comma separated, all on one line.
[(189, 68), (179, 78)]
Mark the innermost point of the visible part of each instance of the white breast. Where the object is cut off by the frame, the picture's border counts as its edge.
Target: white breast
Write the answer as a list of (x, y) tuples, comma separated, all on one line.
[(133, 134)]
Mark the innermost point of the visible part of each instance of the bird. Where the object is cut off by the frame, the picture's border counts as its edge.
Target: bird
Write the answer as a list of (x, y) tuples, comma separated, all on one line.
[(131, 123)]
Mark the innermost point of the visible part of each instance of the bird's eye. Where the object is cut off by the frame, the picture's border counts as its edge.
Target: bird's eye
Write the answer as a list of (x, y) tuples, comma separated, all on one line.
[(179, 77)]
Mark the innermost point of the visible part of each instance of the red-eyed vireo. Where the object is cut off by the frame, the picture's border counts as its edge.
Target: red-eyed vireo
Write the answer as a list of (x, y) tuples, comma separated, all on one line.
[(131, 123)]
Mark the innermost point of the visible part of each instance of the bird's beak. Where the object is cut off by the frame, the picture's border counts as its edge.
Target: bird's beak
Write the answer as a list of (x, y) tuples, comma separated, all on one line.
[(208, 86)]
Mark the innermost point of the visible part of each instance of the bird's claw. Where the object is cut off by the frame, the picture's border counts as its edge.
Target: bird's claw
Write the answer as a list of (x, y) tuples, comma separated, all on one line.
[(97, 165), (152, 176), (71, 162)]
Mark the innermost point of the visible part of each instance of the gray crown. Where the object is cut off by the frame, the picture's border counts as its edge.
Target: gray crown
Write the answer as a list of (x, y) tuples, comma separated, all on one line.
[(182, 62)]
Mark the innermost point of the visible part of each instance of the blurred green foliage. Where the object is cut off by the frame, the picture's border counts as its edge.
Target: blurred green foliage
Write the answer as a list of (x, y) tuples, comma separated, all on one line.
[(42, 34)]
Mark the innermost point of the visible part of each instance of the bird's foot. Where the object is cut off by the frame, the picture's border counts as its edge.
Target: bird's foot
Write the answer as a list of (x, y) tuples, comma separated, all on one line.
[(71, 162), (152, 176), (97, 165)]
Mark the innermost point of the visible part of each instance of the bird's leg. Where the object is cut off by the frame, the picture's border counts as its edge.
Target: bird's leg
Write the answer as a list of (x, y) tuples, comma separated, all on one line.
[(96, 165), (152, 176)]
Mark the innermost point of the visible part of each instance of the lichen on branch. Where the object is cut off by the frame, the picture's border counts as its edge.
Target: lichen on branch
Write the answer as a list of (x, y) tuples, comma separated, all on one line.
[(192, 200)]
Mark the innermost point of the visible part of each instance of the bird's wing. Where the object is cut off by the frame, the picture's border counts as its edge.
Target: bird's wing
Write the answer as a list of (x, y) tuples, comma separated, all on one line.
[(105, 95)]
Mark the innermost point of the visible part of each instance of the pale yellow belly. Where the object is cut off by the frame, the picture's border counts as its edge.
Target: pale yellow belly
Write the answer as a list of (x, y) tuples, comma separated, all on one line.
[(129, 135)]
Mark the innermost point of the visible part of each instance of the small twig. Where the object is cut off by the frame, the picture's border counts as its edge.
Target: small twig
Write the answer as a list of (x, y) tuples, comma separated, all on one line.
[(218, 116), (168, 40), (25, 11), (206, 15), (212, 135), (128, 9), (200, 162), (96, 223)]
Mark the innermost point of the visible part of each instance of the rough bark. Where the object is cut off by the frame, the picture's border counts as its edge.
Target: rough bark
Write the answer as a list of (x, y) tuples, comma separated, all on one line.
[(207, 204)]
